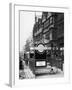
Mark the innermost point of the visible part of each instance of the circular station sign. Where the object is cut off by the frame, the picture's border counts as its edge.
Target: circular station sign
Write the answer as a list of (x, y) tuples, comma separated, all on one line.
[(41, 48)]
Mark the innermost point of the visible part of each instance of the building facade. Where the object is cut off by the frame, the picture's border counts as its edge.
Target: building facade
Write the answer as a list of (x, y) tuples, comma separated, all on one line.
[(49, 29)]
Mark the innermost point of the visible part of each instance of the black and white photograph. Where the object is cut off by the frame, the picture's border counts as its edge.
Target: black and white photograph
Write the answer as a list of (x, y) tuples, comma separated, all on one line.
[(41, 44)]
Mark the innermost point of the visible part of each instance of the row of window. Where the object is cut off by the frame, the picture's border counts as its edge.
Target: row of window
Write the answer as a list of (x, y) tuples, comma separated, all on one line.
[(46, 24), (49, 22)]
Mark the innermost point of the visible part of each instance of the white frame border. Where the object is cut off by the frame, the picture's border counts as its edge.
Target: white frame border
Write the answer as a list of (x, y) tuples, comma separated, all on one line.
[(14, 41)]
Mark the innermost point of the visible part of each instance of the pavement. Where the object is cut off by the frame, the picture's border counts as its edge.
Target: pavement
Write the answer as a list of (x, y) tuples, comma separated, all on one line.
[(26, 73)]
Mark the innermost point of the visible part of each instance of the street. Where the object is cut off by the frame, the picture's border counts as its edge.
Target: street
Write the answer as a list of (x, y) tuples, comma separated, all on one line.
[(28, 74)]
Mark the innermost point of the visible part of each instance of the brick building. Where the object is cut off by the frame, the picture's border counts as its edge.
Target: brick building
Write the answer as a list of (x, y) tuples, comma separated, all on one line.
[(49, 29), (60, 29), (37, 31)]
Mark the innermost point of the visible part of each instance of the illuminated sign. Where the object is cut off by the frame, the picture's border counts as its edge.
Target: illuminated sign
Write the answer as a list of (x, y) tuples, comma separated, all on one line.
[(40, 63), (40, 48)]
